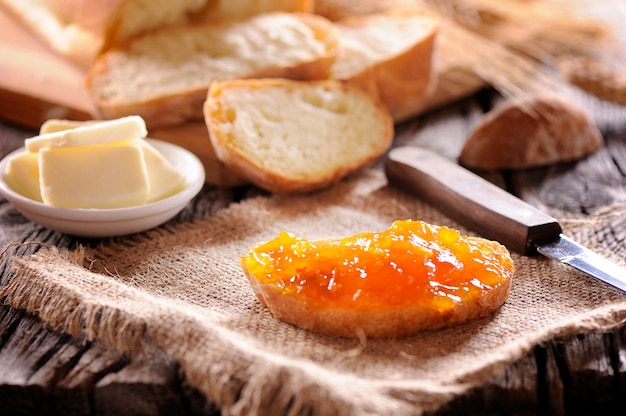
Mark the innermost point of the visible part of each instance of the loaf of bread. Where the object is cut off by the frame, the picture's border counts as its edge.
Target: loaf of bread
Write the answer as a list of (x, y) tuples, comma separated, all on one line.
[(537, 130), (164, 75), (390, 56), (82, 29), (295, 136)]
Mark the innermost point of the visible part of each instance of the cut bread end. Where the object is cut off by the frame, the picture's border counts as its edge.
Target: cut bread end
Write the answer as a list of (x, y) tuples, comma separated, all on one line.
[(536, 131), (295, 136)]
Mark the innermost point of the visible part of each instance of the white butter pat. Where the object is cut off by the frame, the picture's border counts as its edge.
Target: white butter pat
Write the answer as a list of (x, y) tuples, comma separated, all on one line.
[(101, 176), (125, 128), (22, 175), (93, 164), (54, 125), (164, 180)]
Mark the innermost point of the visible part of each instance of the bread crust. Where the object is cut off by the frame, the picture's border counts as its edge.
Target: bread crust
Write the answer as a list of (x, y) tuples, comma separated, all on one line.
[(186, 104), (195, 138), (536, 131), (252, 167), (406, 76), (390, 322)]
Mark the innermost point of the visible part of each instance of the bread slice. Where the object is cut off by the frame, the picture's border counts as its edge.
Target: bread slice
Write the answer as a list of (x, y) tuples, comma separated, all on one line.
[(341, 286), (294, 136), (375, 323), (538, 130), (390, 56), (163, 76)]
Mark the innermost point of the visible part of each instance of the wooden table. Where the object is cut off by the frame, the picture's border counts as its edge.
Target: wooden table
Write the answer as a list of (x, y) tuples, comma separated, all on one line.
[(45, 372)]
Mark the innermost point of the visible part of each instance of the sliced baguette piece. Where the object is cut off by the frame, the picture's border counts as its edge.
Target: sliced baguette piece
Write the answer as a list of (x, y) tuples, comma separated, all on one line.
[(295, 136), (341, 286), (390, 56), (164, 76)]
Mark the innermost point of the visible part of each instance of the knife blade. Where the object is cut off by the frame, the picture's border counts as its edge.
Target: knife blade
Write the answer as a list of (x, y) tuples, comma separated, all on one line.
[(492, 212)]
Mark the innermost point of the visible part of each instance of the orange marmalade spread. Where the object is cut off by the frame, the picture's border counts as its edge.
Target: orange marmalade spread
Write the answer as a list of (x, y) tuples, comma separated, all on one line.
[(411, 263)]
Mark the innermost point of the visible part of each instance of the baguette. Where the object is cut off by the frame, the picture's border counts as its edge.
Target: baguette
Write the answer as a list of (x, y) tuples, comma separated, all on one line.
[(81, 30), (536, 131), (390, 56), (294, 136), (164, 75)]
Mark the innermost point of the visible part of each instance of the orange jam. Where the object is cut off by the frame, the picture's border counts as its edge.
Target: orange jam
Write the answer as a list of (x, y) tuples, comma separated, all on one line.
[(411, 263)]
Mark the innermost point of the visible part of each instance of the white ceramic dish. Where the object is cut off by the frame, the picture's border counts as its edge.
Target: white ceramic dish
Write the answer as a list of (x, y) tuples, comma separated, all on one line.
[(98, 223)]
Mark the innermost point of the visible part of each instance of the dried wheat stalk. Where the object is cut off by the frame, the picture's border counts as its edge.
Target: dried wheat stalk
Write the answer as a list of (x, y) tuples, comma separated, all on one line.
[(517, 45), (520, 46)]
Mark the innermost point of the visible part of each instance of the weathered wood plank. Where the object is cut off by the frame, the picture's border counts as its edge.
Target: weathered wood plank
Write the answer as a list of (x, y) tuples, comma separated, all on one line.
[(516, 388)]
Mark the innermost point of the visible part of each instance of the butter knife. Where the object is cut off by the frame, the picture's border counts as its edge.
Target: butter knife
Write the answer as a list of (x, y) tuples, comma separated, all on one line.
[(492, 212)]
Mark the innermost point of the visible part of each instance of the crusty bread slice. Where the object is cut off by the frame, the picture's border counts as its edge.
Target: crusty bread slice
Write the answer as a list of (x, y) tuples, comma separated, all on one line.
[(341, 286), (164, 75), (295, 136), (390, 56), (375, 323)]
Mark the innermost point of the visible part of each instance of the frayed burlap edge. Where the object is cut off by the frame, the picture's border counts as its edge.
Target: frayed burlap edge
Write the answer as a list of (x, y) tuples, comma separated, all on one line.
[(256, 383)]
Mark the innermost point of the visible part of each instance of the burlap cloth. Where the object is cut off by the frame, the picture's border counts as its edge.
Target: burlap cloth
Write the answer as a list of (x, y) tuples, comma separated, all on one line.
[(180, 289)]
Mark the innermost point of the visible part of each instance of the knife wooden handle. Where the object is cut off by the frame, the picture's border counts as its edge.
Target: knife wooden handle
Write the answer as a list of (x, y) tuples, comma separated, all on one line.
[(471, 200)]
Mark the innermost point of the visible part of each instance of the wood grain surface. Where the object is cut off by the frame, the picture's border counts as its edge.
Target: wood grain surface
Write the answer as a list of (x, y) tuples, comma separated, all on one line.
[(45, 372)]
